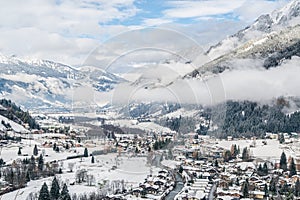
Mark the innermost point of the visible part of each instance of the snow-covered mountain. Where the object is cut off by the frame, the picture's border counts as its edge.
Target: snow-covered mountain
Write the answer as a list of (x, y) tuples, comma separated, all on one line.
[(148, 109), (269, 40), (42, 84), (289, 15), (101, 80), (270, 50)]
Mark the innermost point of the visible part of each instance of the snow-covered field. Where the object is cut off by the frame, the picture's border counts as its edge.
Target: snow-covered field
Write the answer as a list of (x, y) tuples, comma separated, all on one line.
[(132, 170), (181, 112), (147, 126), (272, 150), (9, 152)]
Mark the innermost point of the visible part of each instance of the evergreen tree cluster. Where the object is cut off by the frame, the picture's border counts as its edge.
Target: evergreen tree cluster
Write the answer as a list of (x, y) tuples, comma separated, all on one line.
[(241, 119), (246, 154), (263, 170), (22, 171), (227, 156), (16, 114), (250, 119), (182, 124), (286, 189), (232, 153), (173, 123), (161, 144), (286, 53), (285, 166), (54, 193), (235, 151)]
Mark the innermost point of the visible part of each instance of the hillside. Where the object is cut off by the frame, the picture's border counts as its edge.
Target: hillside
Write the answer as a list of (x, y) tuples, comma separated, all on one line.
[(248, 119), (270, 40), (13, 117), (285, 17)]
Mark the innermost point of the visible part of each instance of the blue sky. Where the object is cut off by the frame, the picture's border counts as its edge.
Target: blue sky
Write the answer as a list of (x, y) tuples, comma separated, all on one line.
[(156, 12), (190, 12), (67, 30), (147, 10)]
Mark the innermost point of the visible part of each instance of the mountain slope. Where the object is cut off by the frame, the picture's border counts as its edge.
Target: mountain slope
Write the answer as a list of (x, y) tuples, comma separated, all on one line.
[(14, 118), (271, 39), (279, 19), (271, 49), (46, 85), (7, 124)]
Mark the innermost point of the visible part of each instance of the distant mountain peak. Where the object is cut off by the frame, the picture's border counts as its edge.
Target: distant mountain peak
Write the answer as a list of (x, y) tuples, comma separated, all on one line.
[(287, 16), (288, 12), (47, 84)]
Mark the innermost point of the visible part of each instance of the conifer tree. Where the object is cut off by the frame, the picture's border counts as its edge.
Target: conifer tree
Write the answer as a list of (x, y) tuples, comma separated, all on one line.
[(180, 169), (35, 150), (86, 153), (41, 163), (281, 138), (54, 147), (265, 169), (283, 163), (93, 159), (216, 163), (245, 154), (44, 193), (292, 168), (246, 189), (19, 152), (1, 162), (54, 191), (297, 188), (272, 186), (237, 181), (32, 165), (227, 156), (259, 169), (65, 193), (266, 191), (27, 176)]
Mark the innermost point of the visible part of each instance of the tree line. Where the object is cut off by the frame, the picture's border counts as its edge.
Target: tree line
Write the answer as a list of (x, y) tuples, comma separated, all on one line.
[(248, 119), (15, 113)]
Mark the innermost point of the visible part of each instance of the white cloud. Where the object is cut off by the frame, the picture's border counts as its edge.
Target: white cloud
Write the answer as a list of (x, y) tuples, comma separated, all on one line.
[(251, 9), (63, 31), (35, 43), (247, 81), (64, 15), (246, 10), (67, 30), (143, 46), (156, 21), (188, 9), (252, 83)]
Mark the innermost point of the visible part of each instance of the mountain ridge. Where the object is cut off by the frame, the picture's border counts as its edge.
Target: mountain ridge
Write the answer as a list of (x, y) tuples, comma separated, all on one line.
[(44, 84), (278, 32), (287, 16)]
